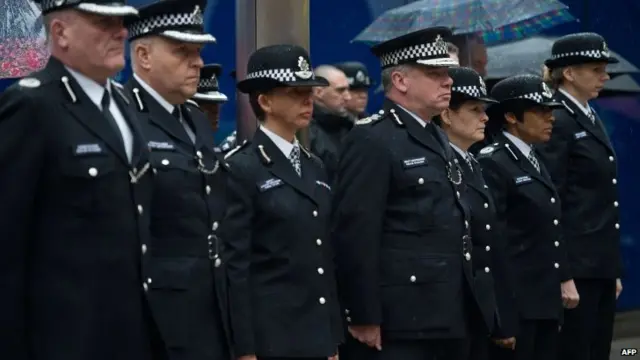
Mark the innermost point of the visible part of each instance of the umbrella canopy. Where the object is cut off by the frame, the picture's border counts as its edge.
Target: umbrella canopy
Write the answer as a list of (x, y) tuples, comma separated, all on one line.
[(528, 55), (495, 20)]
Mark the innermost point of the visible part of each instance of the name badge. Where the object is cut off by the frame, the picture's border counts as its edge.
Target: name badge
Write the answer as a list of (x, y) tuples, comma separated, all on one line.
[(409, 163), (160, 145), (87, 149), (522, 180), (580, 135), (270, 184), (324, 185)]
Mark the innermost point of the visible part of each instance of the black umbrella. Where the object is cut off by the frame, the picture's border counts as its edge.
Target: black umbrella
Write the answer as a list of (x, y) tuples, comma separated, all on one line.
[(528, 56)]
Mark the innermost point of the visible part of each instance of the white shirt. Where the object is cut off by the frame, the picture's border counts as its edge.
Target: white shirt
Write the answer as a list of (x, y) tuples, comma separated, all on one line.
[(585, 109), (420, 121), (95, 92), (285, 146), (464, 154), (524, 148)]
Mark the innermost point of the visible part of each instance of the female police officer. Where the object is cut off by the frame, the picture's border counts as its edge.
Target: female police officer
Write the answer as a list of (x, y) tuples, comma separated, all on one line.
[(276, 256), (464, 123)]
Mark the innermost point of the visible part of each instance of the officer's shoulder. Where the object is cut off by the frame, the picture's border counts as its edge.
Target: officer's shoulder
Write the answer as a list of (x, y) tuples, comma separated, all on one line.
[(238, 151), (372, 120)]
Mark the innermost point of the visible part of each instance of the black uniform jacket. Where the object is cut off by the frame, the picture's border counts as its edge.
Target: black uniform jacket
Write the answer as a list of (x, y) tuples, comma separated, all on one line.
[(529, 214), (73, 220), (326, 133), (398, 228), (276, 255), (493, 282), (187, 209), (582, 164)]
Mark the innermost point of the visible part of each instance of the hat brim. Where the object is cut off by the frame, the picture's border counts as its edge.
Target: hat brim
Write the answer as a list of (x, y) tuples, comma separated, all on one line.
[(439, 62), (532, 103), (188, 37), (264, 84), (487, 100), (577, 60), (107, 10), (211, 96)]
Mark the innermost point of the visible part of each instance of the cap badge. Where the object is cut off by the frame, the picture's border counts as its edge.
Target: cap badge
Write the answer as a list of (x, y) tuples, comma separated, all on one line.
[(440, 43), (214, 81), (305, 70), (58, 2), (546, 92), (483, 86), (605, 49), (360, 76), (196, 16)]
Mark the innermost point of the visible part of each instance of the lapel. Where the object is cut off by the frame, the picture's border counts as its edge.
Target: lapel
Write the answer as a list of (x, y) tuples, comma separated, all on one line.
[(84, 110), (201, 128), (595, 129), (473, 177), (422, 135), (139, 143), (158, 114), (281, 167), (526, 165)]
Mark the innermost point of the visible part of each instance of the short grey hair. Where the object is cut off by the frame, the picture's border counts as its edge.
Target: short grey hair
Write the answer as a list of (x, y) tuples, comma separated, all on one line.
[(387, 83)]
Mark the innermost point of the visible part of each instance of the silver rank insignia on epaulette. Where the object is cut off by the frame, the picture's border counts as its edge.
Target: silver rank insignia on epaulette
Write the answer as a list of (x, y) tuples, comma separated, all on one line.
[(396, 118), (29, 82), (136, 94), (487, 150), (67, 86), (235, 150), (569, 109), (370, 119), (265, 158), (135, 175)]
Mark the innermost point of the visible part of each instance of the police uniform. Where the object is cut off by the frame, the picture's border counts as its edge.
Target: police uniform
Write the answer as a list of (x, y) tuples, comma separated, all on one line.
[(277, 255), (491, 274), (75, 190), (529, 214), (188, 200), (400, 228), (358, 78), (582, 163)]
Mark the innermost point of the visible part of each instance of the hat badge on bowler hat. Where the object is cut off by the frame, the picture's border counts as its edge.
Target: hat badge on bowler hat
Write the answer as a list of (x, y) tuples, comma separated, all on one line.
[(180, 20), (579, 48), (98, 7), (426, 47), (279, 66), (467, 82)]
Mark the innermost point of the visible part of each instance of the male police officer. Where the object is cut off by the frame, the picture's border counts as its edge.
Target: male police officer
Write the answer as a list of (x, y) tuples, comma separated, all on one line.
[(209, 98), (188, 199), (528, 212), (582, 163), (401, 232), (276, 254), (75, 188), (359, 84)]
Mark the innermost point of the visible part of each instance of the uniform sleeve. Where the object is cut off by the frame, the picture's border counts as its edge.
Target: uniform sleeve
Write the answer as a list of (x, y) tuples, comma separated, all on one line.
[(505, 296), (237, 259), (357, 223), (21, 158)]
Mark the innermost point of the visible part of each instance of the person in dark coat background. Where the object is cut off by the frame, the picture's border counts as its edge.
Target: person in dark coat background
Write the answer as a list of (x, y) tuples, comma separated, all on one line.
[(400, 228), (359, 84), (276, 252), (75, 191), (582, 163), (529, 215), (464, 123)]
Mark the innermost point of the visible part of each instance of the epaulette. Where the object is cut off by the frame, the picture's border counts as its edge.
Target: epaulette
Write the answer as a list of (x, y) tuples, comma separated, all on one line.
[(236, 149), (371, 119), (569, 109), (489, 150), (191, 102)]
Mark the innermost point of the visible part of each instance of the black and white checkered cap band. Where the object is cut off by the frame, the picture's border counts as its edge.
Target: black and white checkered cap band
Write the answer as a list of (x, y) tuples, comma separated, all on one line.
[(282, 75), (113, 9), (595, 54), (536, 96), (165, 21), (208, 83), (471, 90), (433, 54)]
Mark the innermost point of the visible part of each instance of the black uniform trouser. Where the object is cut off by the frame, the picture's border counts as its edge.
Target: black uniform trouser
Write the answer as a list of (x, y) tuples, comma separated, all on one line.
[(536, 340), (424, 349), (588, 329)]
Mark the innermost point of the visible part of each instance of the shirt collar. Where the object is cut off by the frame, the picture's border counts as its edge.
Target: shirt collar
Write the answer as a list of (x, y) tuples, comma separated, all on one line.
[(586, 110), (282, 144), (420, 121), (524, 148), (154, 94), (94, 91), (464, 154)]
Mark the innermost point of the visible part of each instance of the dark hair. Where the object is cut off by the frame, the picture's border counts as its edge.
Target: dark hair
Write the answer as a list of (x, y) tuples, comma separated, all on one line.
[(497, 113), (456, 102), (255, 106)]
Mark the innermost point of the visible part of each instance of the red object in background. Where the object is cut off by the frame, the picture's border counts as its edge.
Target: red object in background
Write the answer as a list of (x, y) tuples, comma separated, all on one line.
[(21, 57)]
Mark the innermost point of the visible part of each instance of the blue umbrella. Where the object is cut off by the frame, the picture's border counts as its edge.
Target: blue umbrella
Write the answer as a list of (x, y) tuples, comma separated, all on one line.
[(495, 20)]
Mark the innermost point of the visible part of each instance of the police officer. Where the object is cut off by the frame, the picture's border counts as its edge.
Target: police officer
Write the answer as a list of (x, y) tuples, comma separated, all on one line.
[(464, 123), (75, 191), (277, 254), (582, 163), (188, 199), (359, 84), (400, 229), (528, 212), (209, 98)]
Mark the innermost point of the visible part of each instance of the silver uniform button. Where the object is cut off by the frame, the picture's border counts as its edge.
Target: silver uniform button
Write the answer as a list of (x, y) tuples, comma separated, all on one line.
[(217, 263), (207, 189), (145, 286), (209, 237), (486, 187), (322, 301), (320, 271), (140, 209), (488, 248), (421, 181), (488, 227), (412, 278), (165, 162), (466, 224), (149, 281), (318, 242), (215, 225), (199, 154), (346, 311), (611, 158), (556, 265), (555, 222), (615, 203), (487, 270), (614, 181), (144, 249), (467, 256), (617, 226), (315, 213), (348, 319), (93, 172), (486, 206), (557, 243), (553, 200)]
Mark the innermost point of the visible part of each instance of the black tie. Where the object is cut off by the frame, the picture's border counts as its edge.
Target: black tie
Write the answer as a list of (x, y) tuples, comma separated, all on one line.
[(105, 103), (176, 113)]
